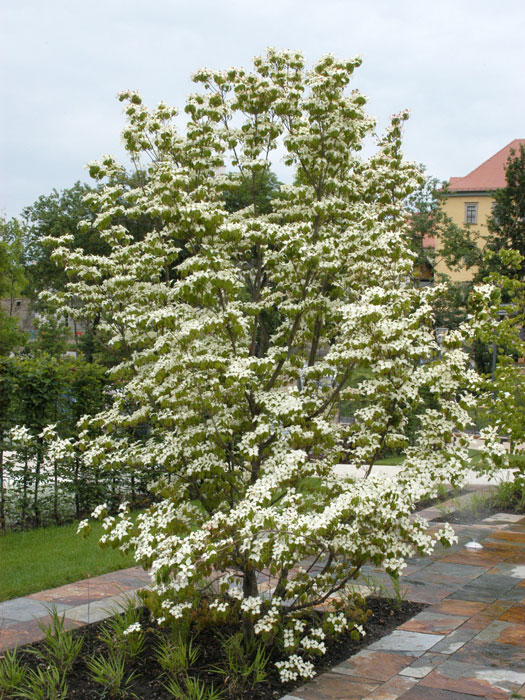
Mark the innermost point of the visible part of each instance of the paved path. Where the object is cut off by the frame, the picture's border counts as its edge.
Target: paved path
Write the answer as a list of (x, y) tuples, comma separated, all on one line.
[(468, 644), (82, 602), (472, 479)]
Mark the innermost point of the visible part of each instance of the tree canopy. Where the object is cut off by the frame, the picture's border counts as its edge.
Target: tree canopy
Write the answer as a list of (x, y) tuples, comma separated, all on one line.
[(255, 191), (428, 220), (240, 332), (57, 214), (507, 223)]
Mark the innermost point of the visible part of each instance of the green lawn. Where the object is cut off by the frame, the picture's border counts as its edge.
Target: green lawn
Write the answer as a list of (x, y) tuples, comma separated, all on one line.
[(35, 560), (396, 460)]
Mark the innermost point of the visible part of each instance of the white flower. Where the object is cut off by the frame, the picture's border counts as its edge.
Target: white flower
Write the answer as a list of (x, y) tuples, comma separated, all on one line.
[(239, 350), (293, 668), (83, 525), (99, 511)]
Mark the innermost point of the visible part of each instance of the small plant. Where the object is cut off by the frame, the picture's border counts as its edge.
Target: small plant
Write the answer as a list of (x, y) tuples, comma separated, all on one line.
[(398, 595), (441, 492), (444, 491), (394, 594), (510, 495), (12, 673), (192, 689), (475, 505), (445, 508), (111, 674), (176, 657), (122, 633), (43, 684), (60, 648), (375, 587), (245, 663)]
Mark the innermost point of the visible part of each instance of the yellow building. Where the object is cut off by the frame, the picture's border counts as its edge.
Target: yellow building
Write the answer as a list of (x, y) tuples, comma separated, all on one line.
[(469, 201)]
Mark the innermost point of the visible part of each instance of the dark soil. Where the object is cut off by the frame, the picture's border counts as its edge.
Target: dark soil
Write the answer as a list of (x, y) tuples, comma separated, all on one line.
[(463, 517), (429, 502), (469, 517), (149, 682)]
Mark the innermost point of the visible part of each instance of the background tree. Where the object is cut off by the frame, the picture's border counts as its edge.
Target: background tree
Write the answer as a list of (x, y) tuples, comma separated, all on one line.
[(503, 265), (11, 337), (12, 260), (429, 222), (256, 190), (57, 214), (507, 223), (12, 282), (52, 337), (505, 380)]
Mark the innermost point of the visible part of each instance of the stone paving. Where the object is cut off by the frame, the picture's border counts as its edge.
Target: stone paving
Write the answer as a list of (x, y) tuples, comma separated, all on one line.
[(82, 602), (468, 643)]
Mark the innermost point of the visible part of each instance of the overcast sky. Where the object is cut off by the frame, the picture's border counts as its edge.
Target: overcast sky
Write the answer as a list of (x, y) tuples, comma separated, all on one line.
[(458, 66)]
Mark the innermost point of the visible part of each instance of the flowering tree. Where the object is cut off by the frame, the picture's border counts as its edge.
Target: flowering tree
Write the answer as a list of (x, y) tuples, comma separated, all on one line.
[(239, 335)]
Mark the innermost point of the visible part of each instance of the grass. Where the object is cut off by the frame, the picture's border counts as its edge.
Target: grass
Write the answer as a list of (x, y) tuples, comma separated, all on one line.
[(395, 460), (35, 560), (509, 496), (474, 507)]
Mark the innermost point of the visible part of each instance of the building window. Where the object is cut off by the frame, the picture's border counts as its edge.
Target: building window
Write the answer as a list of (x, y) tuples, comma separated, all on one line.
[(495, 219), (471, 213)]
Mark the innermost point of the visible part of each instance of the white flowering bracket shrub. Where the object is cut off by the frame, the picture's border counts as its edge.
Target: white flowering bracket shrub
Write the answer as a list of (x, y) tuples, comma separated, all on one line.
[(218, 316)]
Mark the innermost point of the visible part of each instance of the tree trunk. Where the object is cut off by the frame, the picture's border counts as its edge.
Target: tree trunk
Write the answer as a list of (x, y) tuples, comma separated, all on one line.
[(36, 505), (55, 495), (24, 491), (250, 590), (76, 487), (2, 493)]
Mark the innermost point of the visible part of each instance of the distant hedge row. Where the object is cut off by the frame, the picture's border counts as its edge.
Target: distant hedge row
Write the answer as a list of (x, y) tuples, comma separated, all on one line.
[(42, 399)]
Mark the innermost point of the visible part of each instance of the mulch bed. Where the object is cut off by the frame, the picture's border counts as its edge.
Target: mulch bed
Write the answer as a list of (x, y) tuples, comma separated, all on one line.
[(149, 685), (470, 517), (462, 517), (454, 493)]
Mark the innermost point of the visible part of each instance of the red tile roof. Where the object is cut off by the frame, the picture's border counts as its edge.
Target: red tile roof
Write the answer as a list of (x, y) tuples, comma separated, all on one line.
[(490, 175)]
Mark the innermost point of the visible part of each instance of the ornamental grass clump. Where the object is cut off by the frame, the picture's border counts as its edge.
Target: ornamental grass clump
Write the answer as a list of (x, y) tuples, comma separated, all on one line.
[(12, 673), (236, 336), (175, 656), (110, 673), (42, 684), (60, 648), (123, 634), (244, 662)]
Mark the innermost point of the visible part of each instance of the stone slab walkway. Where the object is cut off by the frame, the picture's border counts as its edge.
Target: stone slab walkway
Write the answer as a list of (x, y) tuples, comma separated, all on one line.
[(468, 644), (82, 602)]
